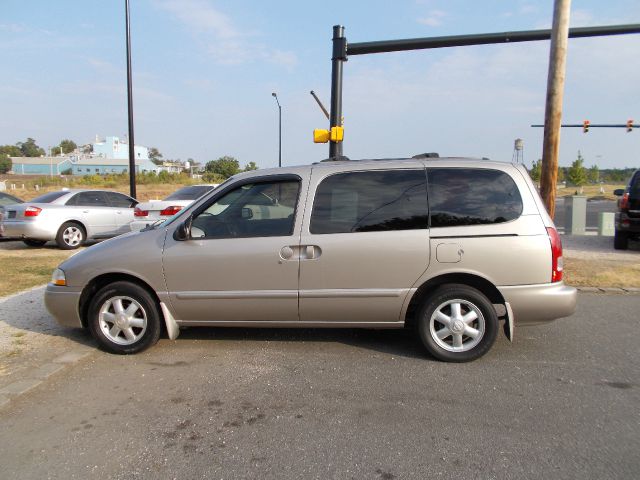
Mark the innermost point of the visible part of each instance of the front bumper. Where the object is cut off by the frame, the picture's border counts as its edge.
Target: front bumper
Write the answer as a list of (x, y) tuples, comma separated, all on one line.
[(536, 304), (63, 304)]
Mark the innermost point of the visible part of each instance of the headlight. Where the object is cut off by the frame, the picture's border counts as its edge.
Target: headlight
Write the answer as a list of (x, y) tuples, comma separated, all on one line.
[(58, 278)]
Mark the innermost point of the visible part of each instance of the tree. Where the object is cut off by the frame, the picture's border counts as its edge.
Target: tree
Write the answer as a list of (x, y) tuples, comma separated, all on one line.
[(593, 174), (68, 146), (577, 174), (30, 149), (224, 166), (536, 170), (5, 163), (250, 166), (10, 150), (155, 156)]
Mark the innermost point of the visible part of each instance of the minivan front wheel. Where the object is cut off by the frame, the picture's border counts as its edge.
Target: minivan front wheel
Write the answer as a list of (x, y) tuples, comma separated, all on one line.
[(457, 323), (124, 318)]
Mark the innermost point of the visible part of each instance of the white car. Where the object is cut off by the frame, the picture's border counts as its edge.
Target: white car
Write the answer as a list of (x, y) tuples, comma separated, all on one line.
[(148, 213), (69, 217)]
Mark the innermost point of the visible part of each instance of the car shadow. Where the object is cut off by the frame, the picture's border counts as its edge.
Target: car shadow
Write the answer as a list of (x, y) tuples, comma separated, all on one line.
[(396, 342)]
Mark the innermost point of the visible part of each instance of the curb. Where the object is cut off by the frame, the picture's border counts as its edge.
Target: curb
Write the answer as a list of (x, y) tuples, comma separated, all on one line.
[(39, 375), (610, 290)]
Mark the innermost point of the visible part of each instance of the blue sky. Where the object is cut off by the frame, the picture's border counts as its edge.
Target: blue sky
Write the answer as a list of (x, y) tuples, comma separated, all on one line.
[(204, 71)]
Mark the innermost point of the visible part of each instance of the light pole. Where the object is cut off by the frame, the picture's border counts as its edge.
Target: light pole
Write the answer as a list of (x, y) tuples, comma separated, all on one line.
[(279, 129)]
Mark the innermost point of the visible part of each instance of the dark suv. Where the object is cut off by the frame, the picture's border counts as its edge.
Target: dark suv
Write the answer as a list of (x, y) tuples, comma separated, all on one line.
[(628, 216)]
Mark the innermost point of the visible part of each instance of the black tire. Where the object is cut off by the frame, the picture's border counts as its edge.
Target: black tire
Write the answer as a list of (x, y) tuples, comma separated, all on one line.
[(32, 242), (621, 240), (443, 300), (70, 236), (102, 318)]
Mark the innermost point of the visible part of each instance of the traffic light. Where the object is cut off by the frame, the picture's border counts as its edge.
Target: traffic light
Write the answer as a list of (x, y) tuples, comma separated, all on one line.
[(585, 126), (630, 125)]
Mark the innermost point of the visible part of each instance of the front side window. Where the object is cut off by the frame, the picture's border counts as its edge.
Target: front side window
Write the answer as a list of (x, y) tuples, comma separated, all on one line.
[(370, 202), (263, 209), (471, 196)]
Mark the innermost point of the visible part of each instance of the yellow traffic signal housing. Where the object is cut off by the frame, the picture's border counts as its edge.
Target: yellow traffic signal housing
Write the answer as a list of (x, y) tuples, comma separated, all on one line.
[(320, 136), (336, 134)]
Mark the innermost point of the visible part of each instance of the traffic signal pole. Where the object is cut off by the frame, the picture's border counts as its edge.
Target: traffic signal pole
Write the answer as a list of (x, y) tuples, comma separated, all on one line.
[(338, 57), (342, 50)]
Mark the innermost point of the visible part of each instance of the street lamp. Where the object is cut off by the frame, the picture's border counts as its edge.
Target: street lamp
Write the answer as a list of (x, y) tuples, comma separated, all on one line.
[(279, 129)]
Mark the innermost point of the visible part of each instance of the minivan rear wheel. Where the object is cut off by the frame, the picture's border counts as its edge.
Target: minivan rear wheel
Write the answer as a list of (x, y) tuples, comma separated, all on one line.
[(457, 323), (124, 318)]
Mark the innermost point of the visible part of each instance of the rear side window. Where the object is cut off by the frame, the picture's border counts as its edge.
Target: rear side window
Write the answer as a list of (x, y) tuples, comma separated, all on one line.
[(371, 201), (467, 196), (49, 197), (119, 200)]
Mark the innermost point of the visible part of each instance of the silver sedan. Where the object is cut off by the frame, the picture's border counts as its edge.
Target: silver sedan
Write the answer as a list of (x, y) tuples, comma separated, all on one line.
[(69, 217)]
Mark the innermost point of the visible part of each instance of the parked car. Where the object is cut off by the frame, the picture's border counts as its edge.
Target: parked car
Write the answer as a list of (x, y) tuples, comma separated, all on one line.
[(627, 220), (148, 213), (452, 246), (69, 217), (6, 199)]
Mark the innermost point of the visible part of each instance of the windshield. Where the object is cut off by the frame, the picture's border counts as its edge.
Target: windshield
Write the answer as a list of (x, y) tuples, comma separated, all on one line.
[(49, 197), (190, 193), (6, 199)]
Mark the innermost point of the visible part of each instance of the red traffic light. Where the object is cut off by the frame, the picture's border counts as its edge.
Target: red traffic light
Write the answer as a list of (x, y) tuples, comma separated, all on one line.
[(630, 125), (585, 126)]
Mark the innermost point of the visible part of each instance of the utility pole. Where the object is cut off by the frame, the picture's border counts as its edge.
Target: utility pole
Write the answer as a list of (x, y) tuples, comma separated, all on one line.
[(553, 108), (132, 155)]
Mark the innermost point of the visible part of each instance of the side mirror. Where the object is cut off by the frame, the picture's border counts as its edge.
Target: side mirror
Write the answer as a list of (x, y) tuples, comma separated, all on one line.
[(247, 213), (618, 192), (183, 232)]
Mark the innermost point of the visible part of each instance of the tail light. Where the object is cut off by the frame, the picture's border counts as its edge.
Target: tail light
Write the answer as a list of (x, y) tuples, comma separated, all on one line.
[(140, 213), (624, 202), (32, 211), (171, 210), (556, 255)]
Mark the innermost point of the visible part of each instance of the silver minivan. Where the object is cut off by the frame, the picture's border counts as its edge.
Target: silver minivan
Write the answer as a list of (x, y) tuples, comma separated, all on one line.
[(451, 247)]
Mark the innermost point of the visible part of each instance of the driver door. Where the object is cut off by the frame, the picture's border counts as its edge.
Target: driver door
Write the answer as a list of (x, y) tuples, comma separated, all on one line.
[(239, 264)]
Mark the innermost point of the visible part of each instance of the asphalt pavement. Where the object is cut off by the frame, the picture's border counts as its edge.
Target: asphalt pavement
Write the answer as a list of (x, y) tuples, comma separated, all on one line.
[(560, 402)]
